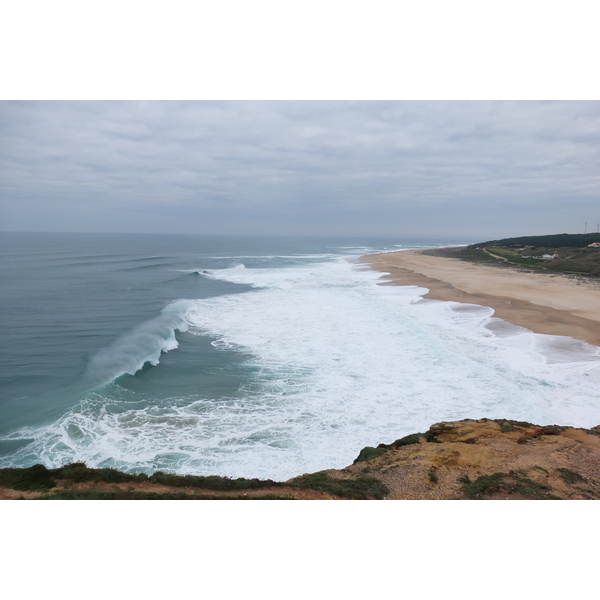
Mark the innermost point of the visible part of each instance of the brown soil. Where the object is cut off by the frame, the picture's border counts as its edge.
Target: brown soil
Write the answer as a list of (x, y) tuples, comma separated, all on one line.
[(472, 448), (149, 487), (469, 459)]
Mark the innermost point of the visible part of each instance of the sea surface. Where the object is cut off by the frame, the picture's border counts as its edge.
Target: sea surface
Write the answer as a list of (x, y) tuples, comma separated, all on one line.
[(251, 356)]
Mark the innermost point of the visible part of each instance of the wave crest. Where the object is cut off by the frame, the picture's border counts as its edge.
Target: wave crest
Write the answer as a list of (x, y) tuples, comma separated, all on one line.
[(143, 344)]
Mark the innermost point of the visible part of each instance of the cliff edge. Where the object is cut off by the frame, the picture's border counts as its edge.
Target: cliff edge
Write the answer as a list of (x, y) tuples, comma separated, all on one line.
[(492, 459), (487, 459)]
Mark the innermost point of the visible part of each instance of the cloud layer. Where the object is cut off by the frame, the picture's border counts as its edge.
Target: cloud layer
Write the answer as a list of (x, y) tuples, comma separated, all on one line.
[(475, 169)]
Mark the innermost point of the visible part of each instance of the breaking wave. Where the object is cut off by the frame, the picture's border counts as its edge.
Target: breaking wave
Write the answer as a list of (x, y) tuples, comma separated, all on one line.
[(143, 344)]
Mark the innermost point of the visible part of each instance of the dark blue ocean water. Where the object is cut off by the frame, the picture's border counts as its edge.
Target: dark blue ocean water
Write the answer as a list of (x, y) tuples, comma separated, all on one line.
[(242, 356)]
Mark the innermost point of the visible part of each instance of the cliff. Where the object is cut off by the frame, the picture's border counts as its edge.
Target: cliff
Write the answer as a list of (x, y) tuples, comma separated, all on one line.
[(489, 459), (469, 459)]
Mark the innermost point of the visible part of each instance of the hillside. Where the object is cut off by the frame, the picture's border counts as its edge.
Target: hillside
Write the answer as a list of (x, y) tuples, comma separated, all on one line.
[(562, 253), (469, 459)]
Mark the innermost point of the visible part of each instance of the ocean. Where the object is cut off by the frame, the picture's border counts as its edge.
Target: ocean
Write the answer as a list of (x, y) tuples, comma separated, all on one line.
[(251, 357)]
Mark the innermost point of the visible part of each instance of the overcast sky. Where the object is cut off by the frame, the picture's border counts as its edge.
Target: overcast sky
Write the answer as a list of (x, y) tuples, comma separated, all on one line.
[(474, 170)]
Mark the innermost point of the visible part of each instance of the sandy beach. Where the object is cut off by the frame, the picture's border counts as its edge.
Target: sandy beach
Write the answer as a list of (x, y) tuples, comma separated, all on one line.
[(544, 303)]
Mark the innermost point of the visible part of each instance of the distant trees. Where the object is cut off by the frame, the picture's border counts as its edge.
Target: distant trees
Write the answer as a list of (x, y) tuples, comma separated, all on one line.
[(557, 240)]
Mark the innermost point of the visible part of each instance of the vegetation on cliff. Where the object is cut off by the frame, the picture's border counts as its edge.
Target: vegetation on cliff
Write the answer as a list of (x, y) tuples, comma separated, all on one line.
[(469, 459), (562, 253)]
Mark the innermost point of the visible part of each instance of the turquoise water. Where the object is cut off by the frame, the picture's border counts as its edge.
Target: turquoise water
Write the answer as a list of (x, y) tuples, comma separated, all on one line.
[(247, 356)]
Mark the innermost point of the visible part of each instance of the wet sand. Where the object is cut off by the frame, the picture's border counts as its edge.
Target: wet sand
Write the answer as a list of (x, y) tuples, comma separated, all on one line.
[(544, 303)]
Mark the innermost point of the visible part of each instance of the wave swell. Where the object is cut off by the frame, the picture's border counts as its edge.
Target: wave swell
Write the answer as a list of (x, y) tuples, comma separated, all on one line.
[(143, 344)]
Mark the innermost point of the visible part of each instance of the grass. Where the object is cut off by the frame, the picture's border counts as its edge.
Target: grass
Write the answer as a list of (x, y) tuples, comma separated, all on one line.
[(506, 425), (570, 259), (569, 476), (39, 478), (509, 484), (212, 482), (362, 488), (127, 495), (78, 472), (516, 258)]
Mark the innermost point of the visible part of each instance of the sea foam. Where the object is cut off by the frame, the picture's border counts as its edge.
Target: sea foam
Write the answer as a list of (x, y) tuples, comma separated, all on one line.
[(338, 362), (143, 344)]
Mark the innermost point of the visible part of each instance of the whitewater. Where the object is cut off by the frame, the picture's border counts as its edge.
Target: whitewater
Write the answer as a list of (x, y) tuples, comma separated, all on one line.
[(256, 358)]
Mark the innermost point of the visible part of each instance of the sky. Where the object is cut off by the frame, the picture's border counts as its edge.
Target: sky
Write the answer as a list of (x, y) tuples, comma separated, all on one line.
[(476, 169)]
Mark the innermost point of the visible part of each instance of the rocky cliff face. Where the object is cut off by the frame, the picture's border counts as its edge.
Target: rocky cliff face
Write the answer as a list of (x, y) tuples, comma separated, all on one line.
[(470, 459), (486, 459)]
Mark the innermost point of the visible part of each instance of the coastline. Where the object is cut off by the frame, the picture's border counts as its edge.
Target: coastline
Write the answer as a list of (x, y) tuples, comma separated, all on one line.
[(551, 304)]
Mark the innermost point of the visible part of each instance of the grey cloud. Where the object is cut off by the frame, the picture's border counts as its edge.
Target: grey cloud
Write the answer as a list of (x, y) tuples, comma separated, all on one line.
[(476, 169)]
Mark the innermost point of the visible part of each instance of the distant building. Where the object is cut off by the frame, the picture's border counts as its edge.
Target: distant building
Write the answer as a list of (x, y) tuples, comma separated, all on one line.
[(594, 245)]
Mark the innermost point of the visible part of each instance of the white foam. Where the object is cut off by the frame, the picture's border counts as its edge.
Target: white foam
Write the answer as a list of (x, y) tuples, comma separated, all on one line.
[(373, 362), (143, 344), (341, 363)]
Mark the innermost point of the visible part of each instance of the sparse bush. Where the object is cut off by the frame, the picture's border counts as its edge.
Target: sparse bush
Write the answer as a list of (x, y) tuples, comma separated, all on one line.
[(432, 474), (408, 440), (367, 453), (552, 430), (506, 426), (130, 495), (569, 476), (511, 483)]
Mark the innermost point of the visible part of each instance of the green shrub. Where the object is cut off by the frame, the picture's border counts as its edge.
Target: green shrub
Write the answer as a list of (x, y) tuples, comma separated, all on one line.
[(361, 488), (368, 453), (212, 482), (35, 478), (78, 472), (552, 430), (408, 440), (431, 437), (129, 495), (511, 483)]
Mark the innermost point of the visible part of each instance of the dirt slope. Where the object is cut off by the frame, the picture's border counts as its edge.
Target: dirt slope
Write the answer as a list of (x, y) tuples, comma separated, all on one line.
[(489, 459)]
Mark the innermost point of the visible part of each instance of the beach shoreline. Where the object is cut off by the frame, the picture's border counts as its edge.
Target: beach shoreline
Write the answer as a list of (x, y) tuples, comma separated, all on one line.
[(553, 304)]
